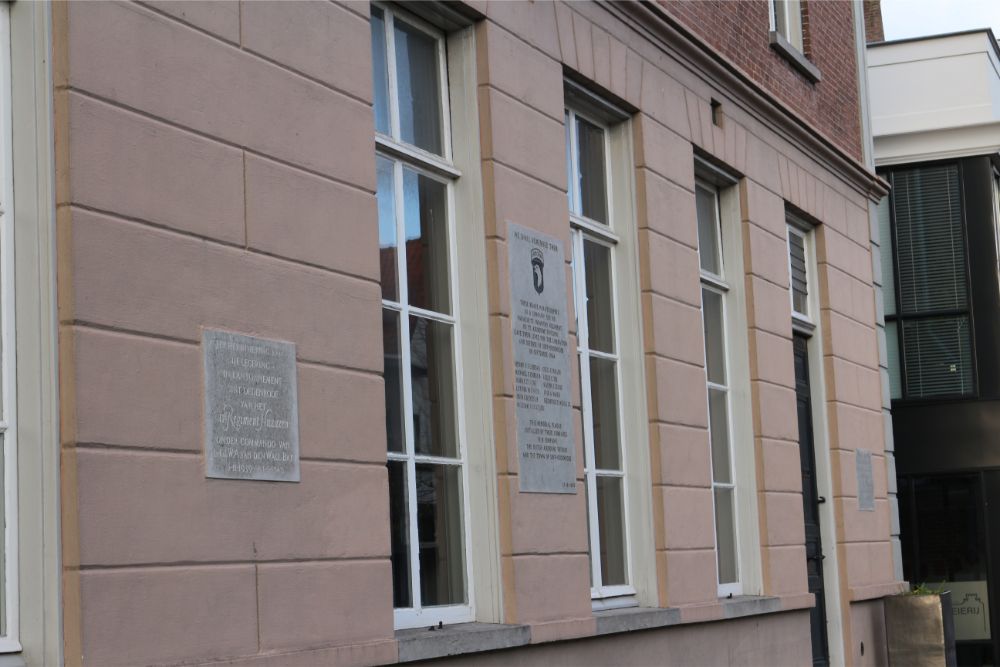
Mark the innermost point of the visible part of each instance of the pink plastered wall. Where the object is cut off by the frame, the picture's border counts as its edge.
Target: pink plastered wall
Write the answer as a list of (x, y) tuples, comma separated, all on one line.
[(216, 169)]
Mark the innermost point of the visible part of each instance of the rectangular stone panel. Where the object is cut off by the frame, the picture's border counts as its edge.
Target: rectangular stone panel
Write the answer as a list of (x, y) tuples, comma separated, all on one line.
[(251, 408), (542, 376)]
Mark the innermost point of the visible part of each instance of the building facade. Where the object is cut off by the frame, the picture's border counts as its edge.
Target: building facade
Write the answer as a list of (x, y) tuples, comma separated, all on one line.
[(351, 333), (939, 230)]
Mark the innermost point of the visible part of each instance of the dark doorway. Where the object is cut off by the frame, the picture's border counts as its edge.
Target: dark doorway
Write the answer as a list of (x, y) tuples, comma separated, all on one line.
[(811, 501)]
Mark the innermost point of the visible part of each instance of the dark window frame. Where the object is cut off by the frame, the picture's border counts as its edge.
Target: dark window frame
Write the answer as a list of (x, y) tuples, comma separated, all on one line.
[(899, 317)]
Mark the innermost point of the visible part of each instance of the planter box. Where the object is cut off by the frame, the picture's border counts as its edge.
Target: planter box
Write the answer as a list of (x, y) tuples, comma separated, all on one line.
[(920, 630)]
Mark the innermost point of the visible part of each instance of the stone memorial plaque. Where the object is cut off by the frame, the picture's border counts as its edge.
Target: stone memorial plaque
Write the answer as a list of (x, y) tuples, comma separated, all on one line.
[(542, 378), (866, 484), (251, 408)]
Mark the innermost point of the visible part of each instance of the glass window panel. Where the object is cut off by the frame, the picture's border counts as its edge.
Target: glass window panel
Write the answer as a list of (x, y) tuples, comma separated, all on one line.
[(930, 240), (385, 196), (611, 526), (725, 535), (439, 527), (392, 362), (381, 71), (887, 253), (399, 535), (892, 350), (604, 411), (419, 89), (433, 386), (572, 184), (593, 187), (938, 357), (718, 414), (709, 245), (425, 215), (600, 305), (715, 344), (799, 274)]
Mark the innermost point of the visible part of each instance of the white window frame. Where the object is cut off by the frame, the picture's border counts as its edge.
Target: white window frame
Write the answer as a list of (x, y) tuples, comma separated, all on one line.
[(583, 228), (742, 447), (782, 21), (10, 638), (441, 169), (803, 322), (717, 282)]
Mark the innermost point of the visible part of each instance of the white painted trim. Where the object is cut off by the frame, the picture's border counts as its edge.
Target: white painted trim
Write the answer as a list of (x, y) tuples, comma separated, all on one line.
[(483, 523), (40, 576), (439, 168), (10, 638), (824, 476), (619, 235)]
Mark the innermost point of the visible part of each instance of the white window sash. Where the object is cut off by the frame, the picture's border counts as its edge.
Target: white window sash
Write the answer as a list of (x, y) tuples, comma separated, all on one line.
[(794, 230), (584, 228), (9, 641), (716, 283), (438, 168)]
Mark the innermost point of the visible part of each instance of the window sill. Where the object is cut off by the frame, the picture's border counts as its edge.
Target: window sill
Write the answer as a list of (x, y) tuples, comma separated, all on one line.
[(794, 56), (467, 638), (460, 639), (612, 621)]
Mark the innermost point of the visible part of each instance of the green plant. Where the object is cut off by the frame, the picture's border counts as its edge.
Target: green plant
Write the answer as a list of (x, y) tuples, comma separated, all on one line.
[(924, 589)]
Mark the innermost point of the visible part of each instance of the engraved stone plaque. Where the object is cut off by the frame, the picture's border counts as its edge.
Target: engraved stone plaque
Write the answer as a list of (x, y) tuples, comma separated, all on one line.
[(542, 389), (866, 484), (251, 408)]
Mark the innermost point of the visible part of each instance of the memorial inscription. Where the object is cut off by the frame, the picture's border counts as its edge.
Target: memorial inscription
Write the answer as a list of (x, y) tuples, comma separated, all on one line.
[(251, 408), (866, 481), (542, 376)]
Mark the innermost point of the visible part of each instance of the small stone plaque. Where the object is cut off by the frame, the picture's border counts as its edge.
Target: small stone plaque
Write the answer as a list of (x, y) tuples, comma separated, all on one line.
[(866, 483), (251, 408), (542, 379)]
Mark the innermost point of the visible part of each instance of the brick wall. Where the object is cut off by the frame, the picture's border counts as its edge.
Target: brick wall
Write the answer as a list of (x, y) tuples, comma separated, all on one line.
[(873, 21), (739, 32)]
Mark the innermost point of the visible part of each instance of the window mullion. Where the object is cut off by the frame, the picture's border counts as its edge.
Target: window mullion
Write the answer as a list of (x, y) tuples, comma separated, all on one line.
[(390, 56), (575, 171), (406, 364), (582, 335)]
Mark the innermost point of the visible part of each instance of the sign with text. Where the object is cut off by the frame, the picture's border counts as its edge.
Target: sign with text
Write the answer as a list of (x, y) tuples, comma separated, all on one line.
[(251, 408), (970, 607), (542, 378), (866, 481)]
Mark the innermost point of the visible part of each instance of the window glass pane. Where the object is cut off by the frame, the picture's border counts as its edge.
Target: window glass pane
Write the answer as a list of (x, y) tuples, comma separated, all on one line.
[(392, 361), (433, 386), (399, 536), (600, 307), (938, 357), (892, 351), (571, 181), (930, 242), (725, 536), (593, 189), (715, 344), (384, 195), (419, 90), (425, 215), (718, 414), (439, 526), (604, 408), (381, 72), (797, 261), (708, 231), (788, 21), (611, 525), (887, 253)]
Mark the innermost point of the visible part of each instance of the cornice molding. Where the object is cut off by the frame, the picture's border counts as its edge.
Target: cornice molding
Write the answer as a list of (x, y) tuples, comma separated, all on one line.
[(699, 58)]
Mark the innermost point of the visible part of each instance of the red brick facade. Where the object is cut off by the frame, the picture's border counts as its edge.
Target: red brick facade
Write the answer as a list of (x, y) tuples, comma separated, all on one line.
[(739, 32)]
